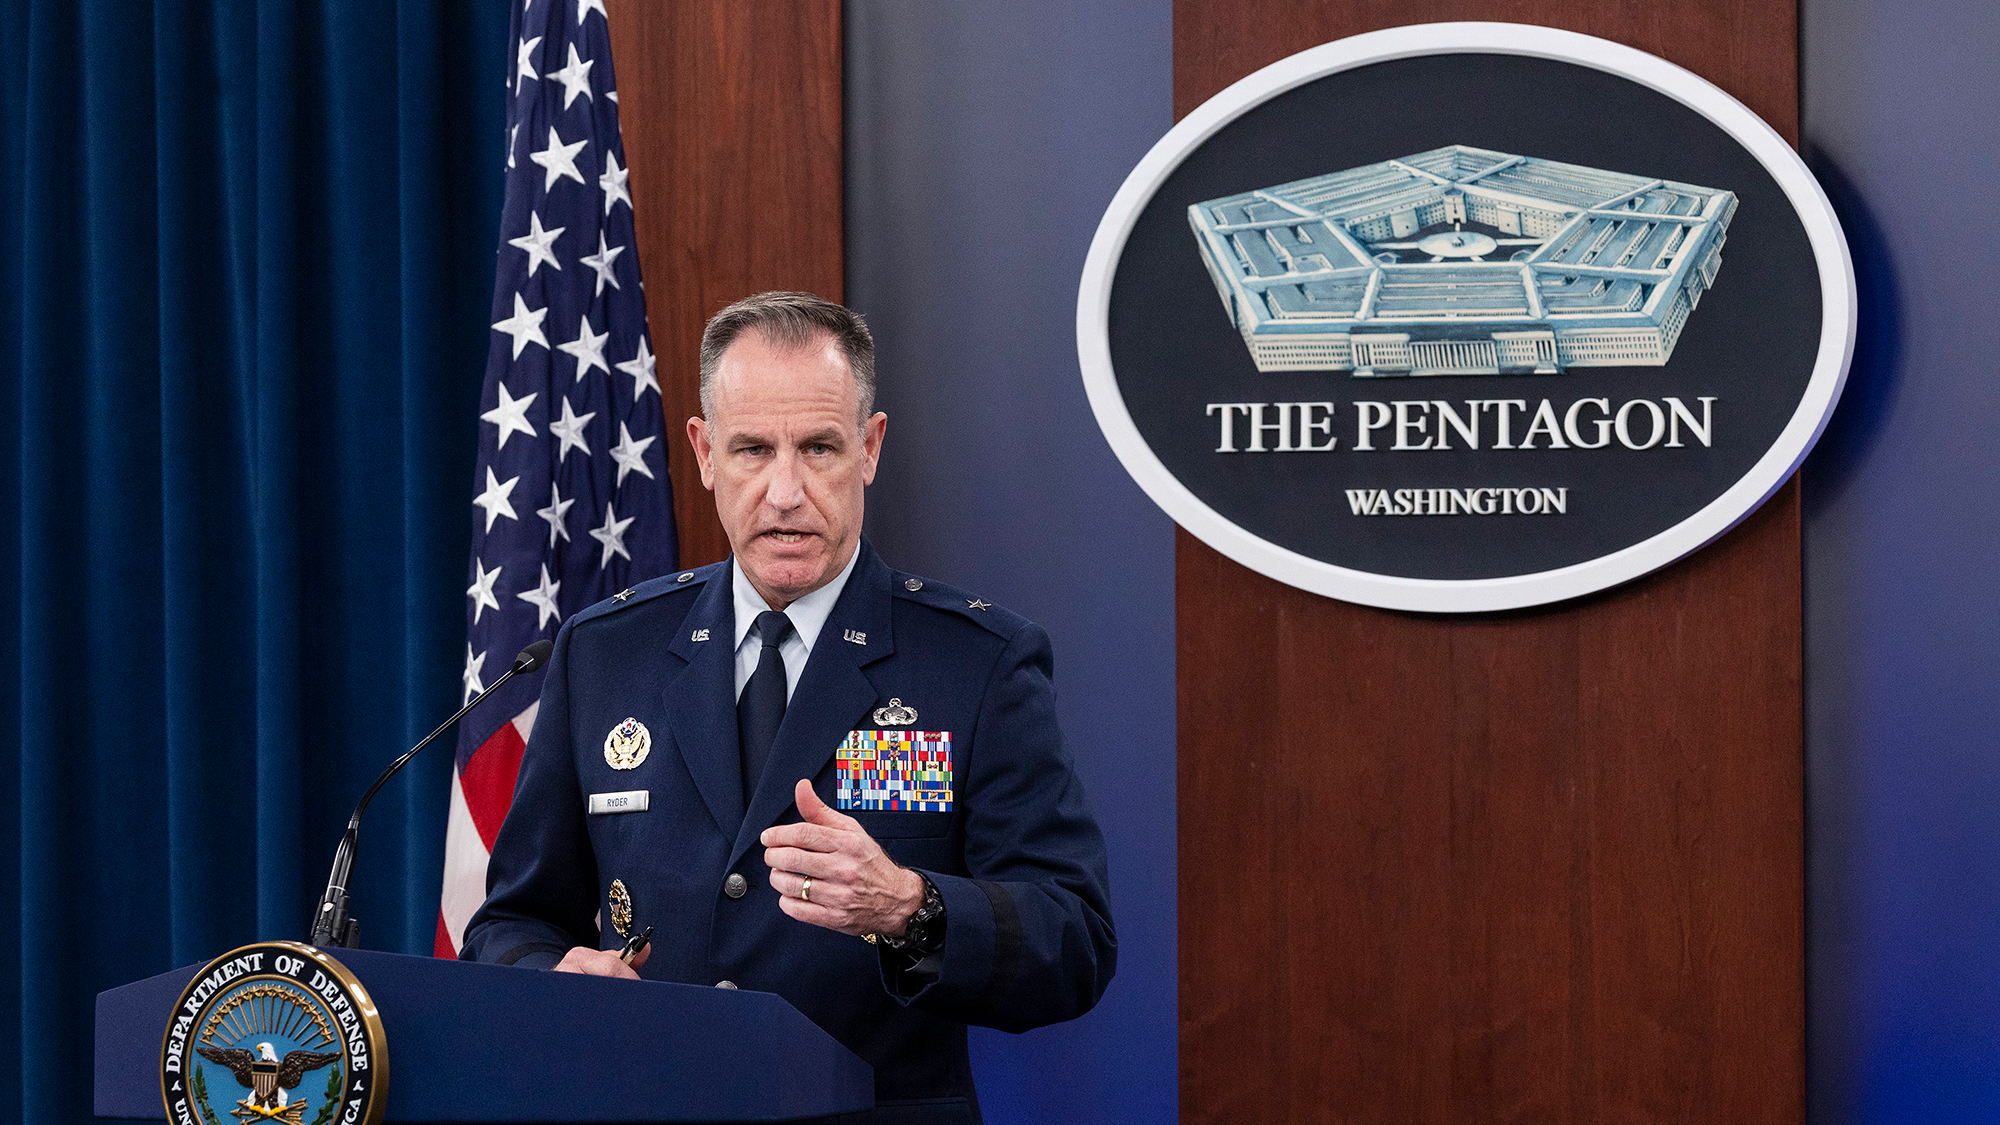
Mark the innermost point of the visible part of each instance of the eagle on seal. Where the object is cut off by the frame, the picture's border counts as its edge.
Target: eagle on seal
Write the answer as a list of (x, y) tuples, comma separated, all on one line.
[(267, 1077)]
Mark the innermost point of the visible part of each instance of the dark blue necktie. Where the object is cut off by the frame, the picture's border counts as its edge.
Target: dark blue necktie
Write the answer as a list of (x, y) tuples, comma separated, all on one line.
[(761, 707)]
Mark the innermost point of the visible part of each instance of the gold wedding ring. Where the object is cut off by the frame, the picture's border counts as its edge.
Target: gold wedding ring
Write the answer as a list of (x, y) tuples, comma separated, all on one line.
[(806, 891)]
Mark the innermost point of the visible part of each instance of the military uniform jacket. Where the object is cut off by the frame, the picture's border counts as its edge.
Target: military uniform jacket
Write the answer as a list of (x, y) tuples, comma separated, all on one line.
[(1018, 859)]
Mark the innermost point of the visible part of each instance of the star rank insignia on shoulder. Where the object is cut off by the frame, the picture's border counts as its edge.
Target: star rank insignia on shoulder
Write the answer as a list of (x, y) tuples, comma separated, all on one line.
[(991, 616), (643, 592)]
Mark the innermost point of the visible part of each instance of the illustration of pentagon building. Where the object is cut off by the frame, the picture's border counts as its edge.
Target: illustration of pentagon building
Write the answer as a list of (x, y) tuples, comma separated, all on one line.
[(1463, 261)]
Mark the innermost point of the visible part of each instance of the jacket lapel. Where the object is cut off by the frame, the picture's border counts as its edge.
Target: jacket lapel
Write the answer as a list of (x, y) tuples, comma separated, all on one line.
[(700, 704), (833, 695)]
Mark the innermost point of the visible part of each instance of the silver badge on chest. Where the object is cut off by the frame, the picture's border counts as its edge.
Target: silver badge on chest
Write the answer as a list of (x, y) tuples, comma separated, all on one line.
[(896, 714), (627, 745)]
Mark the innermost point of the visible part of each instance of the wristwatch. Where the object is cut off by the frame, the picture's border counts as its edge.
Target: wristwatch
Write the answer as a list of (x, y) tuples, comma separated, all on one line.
[(923, 934)]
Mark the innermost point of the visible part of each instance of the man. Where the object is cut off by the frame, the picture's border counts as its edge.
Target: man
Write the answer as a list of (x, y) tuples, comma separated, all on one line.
[(856, 794)]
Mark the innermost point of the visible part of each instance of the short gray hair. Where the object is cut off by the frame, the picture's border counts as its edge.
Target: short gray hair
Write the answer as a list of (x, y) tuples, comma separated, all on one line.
[(790, 320)]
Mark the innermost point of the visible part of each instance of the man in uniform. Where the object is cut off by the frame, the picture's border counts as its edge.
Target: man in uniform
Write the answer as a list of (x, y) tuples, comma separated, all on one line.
[(855, 791)]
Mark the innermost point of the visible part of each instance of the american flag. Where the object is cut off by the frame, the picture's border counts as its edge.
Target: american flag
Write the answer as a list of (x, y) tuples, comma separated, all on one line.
[(571, 500)]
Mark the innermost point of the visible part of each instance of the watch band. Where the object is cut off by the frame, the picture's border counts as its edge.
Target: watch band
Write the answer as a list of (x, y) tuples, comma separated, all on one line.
[(923, 934)]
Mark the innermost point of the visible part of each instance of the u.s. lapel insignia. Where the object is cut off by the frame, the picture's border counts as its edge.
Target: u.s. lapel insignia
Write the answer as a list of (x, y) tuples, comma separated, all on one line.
[(895, 714), (627, 745), (621, 908), (855, 637)]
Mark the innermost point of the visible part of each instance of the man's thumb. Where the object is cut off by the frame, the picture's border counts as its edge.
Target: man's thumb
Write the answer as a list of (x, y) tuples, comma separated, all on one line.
[(811, 808)]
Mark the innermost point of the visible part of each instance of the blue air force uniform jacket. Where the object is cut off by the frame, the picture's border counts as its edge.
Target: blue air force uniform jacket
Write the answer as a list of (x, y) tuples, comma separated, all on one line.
[(1018, 858)]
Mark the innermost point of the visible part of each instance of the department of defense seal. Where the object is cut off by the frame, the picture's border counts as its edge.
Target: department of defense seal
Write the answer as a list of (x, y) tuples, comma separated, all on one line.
[(627, 745), (274, 1032)]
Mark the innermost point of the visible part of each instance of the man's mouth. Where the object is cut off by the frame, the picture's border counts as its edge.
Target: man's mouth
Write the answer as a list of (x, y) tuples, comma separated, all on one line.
[(787, 536)]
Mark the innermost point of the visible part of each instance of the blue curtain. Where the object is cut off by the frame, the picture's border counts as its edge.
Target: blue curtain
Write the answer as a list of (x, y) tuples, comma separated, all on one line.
[(246, 270)]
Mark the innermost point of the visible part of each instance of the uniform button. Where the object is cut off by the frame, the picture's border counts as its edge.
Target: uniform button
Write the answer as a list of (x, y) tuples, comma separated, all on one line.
[(728, 984), (913, 584), (736, 886)]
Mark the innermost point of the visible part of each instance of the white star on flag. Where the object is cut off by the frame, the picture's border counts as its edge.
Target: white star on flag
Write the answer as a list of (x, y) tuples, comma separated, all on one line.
[(569, 430), (511, 415), (601, 262), (630, 455), (587, 348), (640, 368), (471, 675), (575, 77), (584, 8), (481, 590), (526, 63), (554, 513), (612, 183), (558, 159), (543, 598), (612, 534), (537, 241), (494, 499), (525, 326)]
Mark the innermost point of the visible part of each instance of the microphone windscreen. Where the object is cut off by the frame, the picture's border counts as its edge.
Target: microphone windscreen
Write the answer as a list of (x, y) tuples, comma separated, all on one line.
[(534, 656)]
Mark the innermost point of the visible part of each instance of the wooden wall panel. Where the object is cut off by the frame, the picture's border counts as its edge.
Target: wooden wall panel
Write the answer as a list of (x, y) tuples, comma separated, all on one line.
[(1543, 866), (732, 120), (1747, 47)]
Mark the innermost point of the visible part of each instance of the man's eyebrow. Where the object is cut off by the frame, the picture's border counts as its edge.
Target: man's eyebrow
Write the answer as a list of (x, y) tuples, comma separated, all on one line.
[(822, 437)]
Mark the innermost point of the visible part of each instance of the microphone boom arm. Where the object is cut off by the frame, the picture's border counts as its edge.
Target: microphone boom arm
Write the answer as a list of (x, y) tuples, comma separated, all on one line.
[(333, 927)]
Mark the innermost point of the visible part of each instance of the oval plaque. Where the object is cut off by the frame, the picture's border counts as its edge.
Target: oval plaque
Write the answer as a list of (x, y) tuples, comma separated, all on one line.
[(1464, 317)]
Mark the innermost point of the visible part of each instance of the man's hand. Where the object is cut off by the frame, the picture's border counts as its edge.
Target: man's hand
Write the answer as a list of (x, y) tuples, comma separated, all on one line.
[(601, 962), (855, 887)]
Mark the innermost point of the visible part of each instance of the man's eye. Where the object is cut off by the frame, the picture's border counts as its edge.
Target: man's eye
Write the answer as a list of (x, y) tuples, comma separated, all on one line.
[(819, 448)]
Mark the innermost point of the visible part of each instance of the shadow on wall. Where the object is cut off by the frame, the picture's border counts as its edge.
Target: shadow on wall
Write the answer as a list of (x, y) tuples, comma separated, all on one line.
[(1875, 374)]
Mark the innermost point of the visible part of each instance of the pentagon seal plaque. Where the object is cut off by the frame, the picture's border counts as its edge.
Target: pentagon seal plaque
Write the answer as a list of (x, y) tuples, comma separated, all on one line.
[(1465, 317), (274, 1032)]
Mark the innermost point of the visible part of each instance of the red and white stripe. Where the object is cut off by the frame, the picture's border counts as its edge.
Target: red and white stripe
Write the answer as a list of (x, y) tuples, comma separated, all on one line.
[(480, 795)]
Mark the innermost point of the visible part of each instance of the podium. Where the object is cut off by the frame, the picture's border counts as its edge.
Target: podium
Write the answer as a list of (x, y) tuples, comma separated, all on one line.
[(489, 1043)]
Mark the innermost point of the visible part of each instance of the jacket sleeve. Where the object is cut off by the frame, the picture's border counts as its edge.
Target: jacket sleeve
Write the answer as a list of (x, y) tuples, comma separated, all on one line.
[(541, 882), (1028, 932)]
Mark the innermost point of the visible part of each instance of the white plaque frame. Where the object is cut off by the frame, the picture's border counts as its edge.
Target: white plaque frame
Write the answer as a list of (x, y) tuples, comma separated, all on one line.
[(1765, 477)]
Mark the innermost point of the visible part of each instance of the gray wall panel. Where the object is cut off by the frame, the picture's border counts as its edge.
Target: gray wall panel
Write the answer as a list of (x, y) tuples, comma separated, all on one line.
[(1902, 123), (983, 143)]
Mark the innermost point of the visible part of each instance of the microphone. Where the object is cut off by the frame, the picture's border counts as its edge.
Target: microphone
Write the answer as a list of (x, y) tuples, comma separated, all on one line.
[(332, 927)]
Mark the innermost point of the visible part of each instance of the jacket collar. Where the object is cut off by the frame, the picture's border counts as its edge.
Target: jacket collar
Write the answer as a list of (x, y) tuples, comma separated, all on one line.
[(700, 706)]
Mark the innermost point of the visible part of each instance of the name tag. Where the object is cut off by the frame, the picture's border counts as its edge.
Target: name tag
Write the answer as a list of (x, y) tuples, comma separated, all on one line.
[(894, 771), (634, 800)]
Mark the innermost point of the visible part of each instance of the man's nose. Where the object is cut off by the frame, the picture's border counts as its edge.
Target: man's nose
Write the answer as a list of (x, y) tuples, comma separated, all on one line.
[(785, 489)]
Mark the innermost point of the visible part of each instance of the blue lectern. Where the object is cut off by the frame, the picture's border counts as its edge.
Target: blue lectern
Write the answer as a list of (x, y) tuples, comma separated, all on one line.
[(485, 1043)]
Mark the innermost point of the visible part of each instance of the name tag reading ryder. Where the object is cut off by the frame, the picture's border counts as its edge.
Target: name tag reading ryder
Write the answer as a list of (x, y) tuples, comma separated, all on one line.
[(634, 800)]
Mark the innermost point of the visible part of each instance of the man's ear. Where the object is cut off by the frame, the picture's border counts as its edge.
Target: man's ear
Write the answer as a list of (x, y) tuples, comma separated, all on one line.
[(704, 453), (872, 433)]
